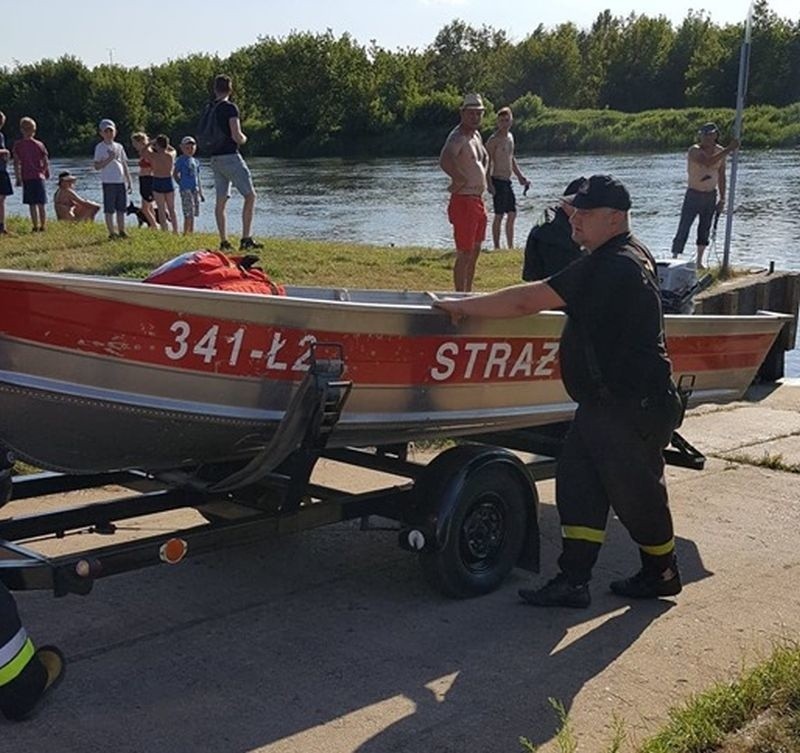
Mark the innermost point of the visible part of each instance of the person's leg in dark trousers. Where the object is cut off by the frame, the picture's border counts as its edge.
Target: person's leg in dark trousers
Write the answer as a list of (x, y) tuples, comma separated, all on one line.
[(689, 211), (582, 503), (25, 674), (708, 206), (583, 509), (631, 470), (627, 450)]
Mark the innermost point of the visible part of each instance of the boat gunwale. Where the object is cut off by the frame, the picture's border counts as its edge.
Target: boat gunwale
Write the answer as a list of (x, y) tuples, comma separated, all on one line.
[(99, 282)]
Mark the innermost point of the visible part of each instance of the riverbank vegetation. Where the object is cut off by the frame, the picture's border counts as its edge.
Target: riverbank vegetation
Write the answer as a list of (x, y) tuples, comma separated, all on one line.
[(625, 83)]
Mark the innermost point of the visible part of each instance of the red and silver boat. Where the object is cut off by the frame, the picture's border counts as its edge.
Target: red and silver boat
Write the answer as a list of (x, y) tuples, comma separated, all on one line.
[(101, 374)]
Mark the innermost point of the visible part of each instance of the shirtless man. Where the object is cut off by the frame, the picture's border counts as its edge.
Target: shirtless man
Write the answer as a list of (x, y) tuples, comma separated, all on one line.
[(705, 164), (465, 160), (500, 146)]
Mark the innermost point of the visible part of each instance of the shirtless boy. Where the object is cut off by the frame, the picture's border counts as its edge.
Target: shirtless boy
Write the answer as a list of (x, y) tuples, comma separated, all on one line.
[(162, 159), (502, 163), (465, 161), (705, 164)]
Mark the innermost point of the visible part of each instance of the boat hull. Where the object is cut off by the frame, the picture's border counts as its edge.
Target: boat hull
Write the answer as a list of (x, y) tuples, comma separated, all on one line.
[(102, 374)]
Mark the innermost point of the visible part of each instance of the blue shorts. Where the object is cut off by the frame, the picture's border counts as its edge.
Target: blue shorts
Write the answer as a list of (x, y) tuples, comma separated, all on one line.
[(5, 184), (33, 191), (163, 185), (115, 198), (231, 168)]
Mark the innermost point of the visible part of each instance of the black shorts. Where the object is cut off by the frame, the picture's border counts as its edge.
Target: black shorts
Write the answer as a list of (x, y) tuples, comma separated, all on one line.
[(33, 191), (5, 184), (146, 187), (503, 200)]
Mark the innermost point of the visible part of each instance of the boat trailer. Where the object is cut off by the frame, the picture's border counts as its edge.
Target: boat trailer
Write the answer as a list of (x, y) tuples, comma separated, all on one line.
[(471, 513)]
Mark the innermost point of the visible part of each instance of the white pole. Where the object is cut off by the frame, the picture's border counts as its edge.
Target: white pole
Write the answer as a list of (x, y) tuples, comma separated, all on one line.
[(744, 66)]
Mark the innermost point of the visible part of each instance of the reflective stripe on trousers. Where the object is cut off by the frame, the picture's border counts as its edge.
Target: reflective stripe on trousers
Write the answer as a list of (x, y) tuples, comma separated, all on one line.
[(14, 656)]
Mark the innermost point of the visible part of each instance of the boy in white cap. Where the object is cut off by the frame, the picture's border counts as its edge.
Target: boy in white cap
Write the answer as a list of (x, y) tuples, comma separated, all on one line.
[(187, 176), (112, 162)]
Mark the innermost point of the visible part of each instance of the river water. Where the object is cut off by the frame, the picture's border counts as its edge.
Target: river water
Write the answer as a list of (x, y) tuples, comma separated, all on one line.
[(401, 201)]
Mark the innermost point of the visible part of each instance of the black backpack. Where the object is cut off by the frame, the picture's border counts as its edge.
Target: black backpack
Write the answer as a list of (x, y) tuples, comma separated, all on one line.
[(549, 247), (210, 134)]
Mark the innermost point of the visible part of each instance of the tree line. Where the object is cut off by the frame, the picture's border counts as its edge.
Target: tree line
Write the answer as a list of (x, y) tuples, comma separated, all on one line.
[(319, 94)]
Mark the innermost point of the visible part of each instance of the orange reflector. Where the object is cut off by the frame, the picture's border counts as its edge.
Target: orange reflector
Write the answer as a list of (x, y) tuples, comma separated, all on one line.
[(173, 551)]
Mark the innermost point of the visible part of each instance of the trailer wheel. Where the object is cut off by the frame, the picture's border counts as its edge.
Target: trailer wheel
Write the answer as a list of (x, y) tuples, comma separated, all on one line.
[(487, 533)]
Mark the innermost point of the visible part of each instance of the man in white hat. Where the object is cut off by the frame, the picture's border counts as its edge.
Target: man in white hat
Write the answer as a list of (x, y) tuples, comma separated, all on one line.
[(465, 160)]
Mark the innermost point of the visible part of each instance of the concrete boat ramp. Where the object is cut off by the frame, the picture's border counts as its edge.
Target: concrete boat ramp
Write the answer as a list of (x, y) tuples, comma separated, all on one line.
[(330, 641)]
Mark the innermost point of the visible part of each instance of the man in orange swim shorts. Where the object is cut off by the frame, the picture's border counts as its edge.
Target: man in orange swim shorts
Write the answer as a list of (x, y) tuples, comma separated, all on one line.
[(465, 160)]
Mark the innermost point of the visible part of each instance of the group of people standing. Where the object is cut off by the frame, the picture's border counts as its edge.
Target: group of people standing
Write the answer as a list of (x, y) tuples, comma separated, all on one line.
[(475, 168), (160, 169)]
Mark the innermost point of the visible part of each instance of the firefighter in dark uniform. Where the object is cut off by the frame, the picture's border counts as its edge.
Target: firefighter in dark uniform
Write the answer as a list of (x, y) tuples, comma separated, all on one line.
[(615, 366), (26, 674)]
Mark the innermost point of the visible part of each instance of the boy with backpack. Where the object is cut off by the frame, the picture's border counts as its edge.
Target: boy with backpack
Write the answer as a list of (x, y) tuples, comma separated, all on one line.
[(220, 135)]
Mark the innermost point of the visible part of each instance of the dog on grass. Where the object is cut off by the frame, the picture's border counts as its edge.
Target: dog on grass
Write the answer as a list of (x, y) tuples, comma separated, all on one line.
[(140, 218)]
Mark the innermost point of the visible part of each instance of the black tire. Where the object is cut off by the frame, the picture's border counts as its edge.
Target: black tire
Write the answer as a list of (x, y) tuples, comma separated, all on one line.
[(487, 534)]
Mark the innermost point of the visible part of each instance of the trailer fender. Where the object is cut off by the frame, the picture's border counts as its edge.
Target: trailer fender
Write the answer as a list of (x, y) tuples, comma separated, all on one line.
[(475, 517)]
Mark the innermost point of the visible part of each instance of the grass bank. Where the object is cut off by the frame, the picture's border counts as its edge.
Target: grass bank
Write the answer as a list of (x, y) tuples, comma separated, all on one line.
[(758, 712), (85, 249)]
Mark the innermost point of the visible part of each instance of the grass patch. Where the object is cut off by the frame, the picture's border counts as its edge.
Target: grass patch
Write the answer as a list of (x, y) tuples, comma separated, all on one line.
[(759, 712), (773, 461), (705, 722), (85, 249)]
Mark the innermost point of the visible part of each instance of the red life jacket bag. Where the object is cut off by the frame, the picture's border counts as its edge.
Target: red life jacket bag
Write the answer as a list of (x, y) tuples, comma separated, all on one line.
[(215, 270)]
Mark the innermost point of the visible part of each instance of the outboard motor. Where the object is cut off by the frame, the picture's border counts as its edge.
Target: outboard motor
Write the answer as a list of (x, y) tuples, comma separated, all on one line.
[(679, 285)]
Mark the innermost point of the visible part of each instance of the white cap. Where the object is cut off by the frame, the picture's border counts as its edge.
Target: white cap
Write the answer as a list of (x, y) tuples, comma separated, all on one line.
[(106, 123)]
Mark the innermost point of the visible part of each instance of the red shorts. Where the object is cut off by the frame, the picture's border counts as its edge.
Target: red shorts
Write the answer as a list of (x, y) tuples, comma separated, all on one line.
[(467, 215)]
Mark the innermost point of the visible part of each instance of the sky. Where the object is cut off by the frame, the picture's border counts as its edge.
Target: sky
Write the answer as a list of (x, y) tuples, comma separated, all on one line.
[(146, 32)]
